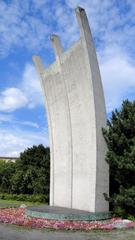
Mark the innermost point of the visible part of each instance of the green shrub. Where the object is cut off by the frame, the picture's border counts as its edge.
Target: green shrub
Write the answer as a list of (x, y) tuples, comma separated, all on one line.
[(25, 197)]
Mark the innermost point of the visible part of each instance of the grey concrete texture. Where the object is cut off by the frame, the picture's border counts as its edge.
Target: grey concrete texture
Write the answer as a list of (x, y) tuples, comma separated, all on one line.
[(17, 233), (76, 112), (60, 213)]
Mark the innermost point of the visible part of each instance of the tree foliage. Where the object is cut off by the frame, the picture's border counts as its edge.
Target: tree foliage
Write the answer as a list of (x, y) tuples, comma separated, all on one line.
[(120, 138), (29, 175), (7, 169)]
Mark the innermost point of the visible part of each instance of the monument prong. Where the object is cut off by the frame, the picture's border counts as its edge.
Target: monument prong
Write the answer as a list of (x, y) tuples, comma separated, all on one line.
[(39, 64), (56, 43), (82, 19)]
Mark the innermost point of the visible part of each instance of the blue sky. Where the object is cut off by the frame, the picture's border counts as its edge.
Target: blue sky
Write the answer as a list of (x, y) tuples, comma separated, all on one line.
[(25, 27)]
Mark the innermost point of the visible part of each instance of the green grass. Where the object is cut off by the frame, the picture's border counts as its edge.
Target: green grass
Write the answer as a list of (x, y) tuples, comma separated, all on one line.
[(14, 203)]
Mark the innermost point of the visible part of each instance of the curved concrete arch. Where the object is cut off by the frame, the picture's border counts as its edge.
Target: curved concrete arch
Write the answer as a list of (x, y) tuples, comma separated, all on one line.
[(76, 115), (57, 105), (41, 69)]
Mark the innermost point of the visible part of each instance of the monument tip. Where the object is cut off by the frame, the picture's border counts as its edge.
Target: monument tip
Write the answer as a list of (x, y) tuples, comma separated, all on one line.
[(38, 63), (79, 10), (53, 37), (56, 44), (83, 23), (34, 58)]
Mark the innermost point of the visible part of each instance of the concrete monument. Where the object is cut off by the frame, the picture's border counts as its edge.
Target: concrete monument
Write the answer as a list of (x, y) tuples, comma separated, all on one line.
[(76, 115)]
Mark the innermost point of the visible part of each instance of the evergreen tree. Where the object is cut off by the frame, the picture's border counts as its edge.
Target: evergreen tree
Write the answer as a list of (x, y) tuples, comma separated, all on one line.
[(120, 138)]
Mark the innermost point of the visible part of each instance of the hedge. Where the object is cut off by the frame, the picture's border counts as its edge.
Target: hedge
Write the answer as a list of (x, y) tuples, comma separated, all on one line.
[(25, 197)]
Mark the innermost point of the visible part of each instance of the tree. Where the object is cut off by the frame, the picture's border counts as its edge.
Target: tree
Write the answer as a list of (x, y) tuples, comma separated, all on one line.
[(120, 138), (32, 172), (7, 170)]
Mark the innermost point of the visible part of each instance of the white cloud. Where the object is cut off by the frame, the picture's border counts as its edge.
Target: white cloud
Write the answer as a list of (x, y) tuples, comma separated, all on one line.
[(12, 99), (31, 86), (20, 21), (15, 141), (5, 118), (27, 94), (10, 119), (118, 75), (28, 123), (40, 3)]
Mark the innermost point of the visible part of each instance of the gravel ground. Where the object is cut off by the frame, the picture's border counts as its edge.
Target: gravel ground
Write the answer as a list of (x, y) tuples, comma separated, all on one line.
[(9, 232)]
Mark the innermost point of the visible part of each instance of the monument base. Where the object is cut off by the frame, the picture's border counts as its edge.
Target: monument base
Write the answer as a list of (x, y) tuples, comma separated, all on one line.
[(60, 213)]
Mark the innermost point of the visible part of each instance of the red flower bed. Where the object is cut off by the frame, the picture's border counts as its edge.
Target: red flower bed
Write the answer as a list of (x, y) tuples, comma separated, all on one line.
[(17, 216)]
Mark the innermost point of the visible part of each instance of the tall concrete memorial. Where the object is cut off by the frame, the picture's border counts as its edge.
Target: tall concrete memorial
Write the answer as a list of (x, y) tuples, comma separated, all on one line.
[(76, 115)]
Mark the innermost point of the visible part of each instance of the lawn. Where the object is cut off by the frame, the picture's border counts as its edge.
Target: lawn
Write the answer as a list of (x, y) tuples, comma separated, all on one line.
[(14, 203)]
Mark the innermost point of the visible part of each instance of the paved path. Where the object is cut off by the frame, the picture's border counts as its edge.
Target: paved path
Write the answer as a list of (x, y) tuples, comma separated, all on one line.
[(17, 233)]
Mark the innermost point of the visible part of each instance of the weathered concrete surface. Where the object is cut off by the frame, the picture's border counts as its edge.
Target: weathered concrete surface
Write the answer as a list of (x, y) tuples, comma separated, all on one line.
[(17, 233), (60, 213), (76, 114)]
